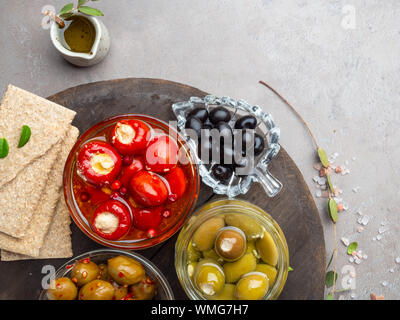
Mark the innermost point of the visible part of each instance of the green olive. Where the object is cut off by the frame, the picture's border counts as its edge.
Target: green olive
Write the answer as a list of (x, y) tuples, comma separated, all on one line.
[(119, 291), (211, 254), (125, 270), (62, 289), (203, 238), (266, 247), (227, 293), (193, 253), (252, 286), (251, 228), (84, 271), (230, 243), (97, 290), (270, 271), (234, 270), (143, 290), (209, 277)]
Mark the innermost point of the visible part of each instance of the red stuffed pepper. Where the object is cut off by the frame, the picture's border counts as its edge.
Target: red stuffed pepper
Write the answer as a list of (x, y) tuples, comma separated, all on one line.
[(112, 220), (162, 154), (99, 163), (130, 137), (148, 189)]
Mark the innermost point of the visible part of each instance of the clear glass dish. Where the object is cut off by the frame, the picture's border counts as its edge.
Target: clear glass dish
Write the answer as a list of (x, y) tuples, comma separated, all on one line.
[(164, 291), (266, 126), (174, 225), (228, 207)]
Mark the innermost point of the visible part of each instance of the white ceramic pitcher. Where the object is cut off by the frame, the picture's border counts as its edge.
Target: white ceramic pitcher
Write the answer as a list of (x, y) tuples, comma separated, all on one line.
[(100, 46)]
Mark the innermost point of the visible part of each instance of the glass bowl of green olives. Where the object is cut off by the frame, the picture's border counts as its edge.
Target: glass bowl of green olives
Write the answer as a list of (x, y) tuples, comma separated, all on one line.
[(108, 274), (232, 141), (231, 249)]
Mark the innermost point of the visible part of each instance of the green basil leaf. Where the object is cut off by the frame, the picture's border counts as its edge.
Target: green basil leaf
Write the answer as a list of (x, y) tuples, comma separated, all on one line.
[(330, 278), (329, 297), (90, 11), (25, 136), (323, 157), (328, 178), (330, 260), (3, 148), (290, 269), (66, 8), (352, 247), (333, 210)]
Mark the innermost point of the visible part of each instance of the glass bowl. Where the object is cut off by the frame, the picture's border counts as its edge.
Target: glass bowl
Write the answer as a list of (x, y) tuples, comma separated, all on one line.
[(237, 184), (164, 291), (227, 207), (174, 225)]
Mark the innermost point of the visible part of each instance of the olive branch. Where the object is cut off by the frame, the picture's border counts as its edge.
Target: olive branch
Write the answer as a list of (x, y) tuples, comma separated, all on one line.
[(331, 276)]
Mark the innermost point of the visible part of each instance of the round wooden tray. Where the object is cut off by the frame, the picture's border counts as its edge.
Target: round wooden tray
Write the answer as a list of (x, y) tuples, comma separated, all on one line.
[(294, 208)]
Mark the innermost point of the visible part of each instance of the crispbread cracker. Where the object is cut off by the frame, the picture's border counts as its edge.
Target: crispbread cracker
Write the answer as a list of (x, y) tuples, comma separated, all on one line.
[(20, 197), (44, 212), (48, 122), (57, 243)]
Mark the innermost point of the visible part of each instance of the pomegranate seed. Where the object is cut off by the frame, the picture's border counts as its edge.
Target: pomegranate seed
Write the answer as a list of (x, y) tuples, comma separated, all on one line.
[(127, 160), (172, 197), (123, 190), (151, 233), (116, 185), (166, 213), (84, 196), (69, 266), (114, 195), (86, 260)]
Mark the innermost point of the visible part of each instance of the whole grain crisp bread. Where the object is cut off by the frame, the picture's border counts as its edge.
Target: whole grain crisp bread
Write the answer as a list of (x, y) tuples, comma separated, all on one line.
[(20, 197), (57, 243), (48, 122), (44, 212)]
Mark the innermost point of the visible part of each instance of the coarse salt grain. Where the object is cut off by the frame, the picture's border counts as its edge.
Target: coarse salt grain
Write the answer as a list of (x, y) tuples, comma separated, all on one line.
[(351, 259), (391, 270), (383, 229), (356, 189), (360, 229), (397, 260), (345, 241), (378, 237), (384, 283)]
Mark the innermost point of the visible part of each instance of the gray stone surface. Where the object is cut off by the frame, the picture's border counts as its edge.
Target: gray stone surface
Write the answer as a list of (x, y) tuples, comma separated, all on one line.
[(344, 78)]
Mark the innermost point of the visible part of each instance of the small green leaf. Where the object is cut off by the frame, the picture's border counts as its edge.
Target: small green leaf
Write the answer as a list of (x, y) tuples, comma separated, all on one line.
[(290, 269), (329, 297), (65, 15), (3, 148), (90, 11), (330, 278), (25, 136), (328, 178), (333, 210), (81, 2), (352, 247), (68, 7), (323, 157)]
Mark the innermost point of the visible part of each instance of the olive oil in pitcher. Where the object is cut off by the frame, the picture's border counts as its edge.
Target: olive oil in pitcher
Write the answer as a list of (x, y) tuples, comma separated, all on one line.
[(78, 35)]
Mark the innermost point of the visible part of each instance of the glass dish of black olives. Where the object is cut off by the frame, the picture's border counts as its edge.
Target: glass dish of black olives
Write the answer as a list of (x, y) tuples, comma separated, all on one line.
[(233, 143)]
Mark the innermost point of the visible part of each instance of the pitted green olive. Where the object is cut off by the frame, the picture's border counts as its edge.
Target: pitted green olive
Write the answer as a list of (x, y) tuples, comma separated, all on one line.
[(125, 270), (97, 290), (270, 271), (209, 277), (234, 270), (203, 238), (266, 247), (251, 228), (62, 289), (84, 271), (252, 286), (119, 291), (230, 243), (143, 290)]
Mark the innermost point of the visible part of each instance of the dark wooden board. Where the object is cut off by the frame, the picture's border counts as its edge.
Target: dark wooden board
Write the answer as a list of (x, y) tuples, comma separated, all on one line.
[(294, 208)]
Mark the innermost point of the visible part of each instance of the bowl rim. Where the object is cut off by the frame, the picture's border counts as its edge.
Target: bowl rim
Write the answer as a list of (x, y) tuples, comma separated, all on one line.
[(146, 262), (140, 244)]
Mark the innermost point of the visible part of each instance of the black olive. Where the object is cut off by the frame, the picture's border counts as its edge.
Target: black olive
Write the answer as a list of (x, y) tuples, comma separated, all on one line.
[(195, 124), (219, 114), (258, 144), (221, 172), (246, 122), (200, 113)]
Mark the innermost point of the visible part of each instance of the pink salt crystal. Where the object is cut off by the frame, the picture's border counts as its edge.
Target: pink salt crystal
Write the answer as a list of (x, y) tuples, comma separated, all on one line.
[(360, 229), (317, 166), (322, 172), (338, 169), (340, 207), (353, 253)]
